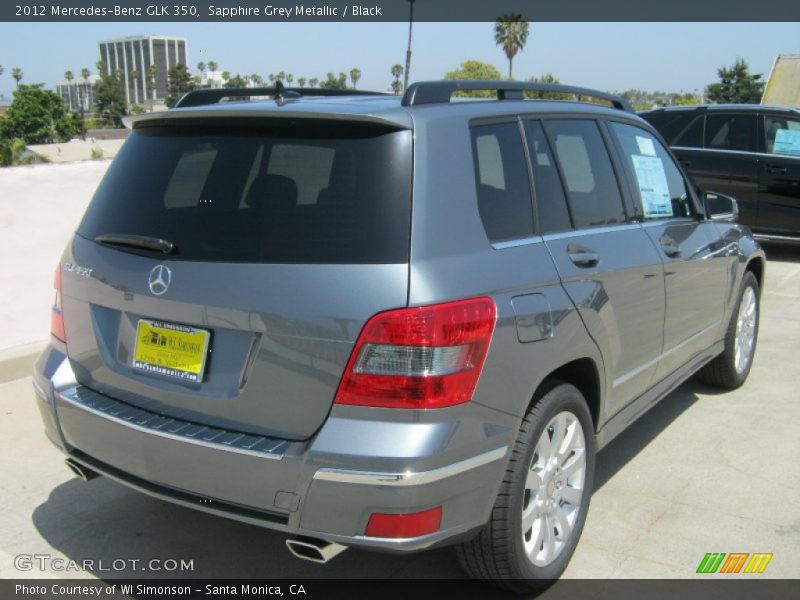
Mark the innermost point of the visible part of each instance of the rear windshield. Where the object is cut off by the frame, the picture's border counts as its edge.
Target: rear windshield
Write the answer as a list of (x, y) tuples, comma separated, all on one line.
[(289, 192)]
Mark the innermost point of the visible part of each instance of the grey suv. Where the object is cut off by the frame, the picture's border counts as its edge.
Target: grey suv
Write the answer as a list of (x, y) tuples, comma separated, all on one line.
[(390, 323)]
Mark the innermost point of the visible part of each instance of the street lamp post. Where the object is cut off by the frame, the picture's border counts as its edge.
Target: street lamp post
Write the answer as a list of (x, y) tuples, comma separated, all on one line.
[(408, 51)]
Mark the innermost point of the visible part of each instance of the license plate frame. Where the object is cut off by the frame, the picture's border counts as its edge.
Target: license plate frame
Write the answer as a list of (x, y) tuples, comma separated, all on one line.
[(167, 354)]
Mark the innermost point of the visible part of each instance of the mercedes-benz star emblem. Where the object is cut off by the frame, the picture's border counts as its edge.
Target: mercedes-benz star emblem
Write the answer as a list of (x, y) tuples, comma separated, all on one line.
[(159, 279)]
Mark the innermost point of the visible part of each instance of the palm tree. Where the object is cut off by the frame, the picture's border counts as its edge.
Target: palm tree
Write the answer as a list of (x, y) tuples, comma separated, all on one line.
[(289, 78), (16, 73), (150, 84), (355, 75), (397, 73), (2, 70), (69, 76), (281, 76), (511, 32), (201, 66), (82, 89), (212, 66), (134, 75), (301, 81), (313, 82), (225, 76)]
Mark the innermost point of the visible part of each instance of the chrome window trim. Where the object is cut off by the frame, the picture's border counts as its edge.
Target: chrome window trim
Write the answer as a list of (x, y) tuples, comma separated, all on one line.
[(589, 230), (409, 478), (526, 241), (738, 152)]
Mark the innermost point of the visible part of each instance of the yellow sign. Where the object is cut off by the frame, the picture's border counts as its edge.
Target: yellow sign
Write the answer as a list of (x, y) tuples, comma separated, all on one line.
[(173, 350)]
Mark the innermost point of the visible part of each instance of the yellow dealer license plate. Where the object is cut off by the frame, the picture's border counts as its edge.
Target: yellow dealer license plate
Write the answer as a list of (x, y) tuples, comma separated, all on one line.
[(176, 351)]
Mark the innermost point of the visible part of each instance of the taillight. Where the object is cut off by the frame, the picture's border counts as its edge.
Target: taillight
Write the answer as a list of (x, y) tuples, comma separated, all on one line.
[(404, 526), (56, 314), (421, 357)]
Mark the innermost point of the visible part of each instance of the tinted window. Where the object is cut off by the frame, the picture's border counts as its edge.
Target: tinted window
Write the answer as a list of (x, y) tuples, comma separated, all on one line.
[(287, 193), (787, 133), (551, 204), (501, 177), (670, 123), (692, 136), (731, 132), (659, 184), (591, 185)]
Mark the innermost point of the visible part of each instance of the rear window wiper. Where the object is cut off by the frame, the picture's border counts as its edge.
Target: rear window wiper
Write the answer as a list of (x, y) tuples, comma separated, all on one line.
[(136, 241)]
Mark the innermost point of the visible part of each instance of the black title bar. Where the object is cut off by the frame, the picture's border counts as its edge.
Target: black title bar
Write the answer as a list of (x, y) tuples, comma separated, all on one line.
[(279, 11)]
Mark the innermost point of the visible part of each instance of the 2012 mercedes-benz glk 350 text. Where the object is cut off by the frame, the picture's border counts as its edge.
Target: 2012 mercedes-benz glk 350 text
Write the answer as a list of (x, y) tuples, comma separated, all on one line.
[(391, 323)]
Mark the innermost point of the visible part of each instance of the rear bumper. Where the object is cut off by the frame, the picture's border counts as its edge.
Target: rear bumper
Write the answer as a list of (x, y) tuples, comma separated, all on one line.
[(359, 463)]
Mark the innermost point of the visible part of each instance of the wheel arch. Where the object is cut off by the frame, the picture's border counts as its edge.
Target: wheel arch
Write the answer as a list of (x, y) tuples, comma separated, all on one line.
[(584, 374)]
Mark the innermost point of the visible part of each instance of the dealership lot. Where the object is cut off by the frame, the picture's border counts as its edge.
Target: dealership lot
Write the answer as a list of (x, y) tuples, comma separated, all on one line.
[(702, 472)]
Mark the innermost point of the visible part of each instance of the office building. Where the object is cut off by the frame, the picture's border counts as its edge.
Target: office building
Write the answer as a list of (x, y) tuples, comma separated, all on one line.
[(132, 57), (78, 93)]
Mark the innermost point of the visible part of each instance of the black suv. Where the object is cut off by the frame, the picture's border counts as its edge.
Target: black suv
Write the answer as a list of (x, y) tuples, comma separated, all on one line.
[(749, 151)]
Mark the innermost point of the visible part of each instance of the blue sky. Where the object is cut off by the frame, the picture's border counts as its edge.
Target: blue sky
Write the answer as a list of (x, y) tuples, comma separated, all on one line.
[(610, 56)]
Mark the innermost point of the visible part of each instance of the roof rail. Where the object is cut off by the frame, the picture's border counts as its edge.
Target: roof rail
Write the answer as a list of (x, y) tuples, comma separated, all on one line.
[(439, 92), (278, 93)]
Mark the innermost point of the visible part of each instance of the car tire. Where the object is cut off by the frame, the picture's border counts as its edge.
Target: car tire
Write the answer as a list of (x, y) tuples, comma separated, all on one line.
[(502, 553), (730, 369)]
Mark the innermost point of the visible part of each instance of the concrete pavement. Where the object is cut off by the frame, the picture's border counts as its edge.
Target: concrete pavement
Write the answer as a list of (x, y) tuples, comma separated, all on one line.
[(703, 471)]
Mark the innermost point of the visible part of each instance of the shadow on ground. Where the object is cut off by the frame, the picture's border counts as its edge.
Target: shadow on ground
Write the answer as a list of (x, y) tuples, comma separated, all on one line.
[(782, 252)]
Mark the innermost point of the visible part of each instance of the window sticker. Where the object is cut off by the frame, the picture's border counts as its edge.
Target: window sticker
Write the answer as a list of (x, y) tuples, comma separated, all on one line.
[(646, 146), (787, 141), (653, 186)]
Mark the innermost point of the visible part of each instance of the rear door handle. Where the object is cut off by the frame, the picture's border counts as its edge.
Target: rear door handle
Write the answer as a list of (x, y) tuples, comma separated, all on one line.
[(777, 170), (582, 257)]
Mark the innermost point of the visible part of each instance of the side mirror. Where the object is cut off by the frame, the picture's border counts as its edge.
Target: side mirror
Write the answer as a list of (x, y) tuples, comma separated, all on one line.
[(720, 207)]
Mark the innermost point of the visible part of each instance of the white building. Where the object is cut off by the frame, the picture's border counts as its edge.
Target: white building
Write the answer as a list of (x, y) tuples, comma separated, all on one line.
[(78, 93)]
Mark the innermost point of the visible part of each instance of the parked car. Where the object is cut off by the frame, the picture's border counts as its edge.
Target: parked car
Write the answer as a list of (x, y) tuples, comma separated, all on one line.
[(750, 152), (390, 323)]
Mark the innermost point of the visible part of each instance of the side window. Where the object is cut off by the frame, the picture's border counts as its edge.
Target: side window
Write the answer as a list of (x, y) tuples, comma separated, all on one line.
[(661, 187), (692, 136), (501, 177), (731, 132), (551, 204), (782, 135), (589, 179)]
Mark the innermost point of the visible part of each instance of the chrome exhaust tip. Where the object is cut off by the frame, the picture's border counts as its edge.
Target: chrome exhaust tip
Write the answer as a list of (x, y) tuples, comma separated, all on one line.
[(84, 473), (318, 551)]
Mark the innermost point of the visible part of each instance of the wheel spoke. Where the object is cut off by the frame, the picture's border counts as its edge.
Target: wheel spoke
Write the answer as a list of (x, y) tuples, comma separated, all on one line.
[(559, 428), (533, 480), (563, 524), (548, 539), (543, 446), (529, 517), (536, 537), (573, 433), (573, 464), (572, 495)]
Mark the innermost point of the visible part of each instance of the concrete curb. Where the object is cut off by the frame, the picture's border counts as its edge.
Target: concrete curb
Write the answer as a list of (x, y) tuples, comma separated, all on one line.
[(17, 362)]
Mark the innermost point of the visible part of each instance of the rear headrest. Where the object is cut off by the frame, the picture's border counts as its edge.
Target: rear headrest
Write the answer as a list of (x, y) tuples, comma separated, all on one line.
[(272, 191)]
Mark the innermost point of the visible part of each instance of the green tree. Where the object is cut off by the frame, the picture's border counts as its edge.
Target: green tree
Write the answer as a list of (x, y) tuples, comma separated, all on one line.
[(226, 75), (355, 75), (201, 66), (109, 99), (69, 76), (736, 85), (257, 79), (289, 78), (301, 81), (547, 78), (334, 83), (179, 81), (475, 69), (150, 83), (511, 33), (237, 81), (212, 66), (16, 73), (313, 82), (12, 152), (2, 70), (38, 116), (397, 73)]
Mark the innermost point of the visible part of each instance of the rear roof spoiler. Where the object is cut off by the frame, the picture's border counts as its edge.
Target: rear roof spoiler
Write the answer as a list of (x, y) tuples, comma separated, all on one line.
[(440, 92), (279, 93)]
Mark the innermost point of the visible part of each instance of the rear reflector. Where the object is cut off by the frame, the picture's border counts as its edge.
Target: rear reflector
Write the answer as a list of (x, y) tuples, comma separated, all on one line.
[(421, 357), (404, 526), (56, 314)]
